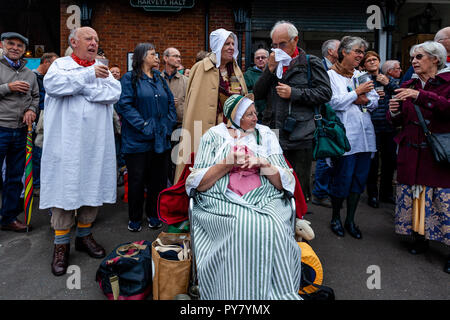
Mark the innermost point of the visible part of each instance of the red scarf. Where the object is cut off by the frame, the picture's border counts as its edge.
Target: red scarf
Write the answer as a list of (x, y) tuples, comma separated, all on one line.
[(83, 63), (296, 53)]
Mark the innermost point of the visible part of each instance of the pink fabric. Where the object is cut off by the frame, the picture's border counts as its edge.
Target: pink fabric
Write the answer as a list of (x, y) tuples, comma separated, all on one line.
[(244, 180)]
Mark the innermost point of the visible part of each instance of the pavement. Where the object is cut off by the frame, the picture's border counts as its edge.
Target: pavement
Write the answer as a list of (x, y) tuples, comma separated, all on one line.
[(377, 267)]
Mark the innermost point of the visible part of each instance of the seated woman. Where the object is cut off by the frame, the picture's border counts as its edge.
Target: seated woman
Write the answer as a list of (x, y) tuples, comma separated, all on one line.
[(244, 241)]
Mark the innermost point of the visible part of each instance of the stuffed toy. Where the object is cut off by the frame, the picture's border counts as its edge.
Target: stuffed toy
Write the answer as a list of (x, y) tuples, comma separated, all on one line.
[(303, 230)]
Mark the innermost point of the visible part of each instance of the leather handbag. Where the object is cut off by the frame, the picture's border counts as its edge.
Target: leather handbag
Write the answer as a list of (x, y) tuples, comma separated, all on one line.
[(330, 136), (330, 139), (439, 143)]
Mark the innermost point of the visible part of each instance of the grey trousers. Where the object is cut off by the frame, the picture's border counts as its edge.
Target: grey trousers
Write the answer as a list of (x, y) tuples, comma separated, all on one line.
[(63, 220)]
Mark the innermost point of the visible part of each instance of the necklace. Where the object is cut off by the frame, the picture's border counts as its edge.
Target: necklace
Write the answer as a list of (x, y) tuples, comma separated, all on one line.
[(224, 72)]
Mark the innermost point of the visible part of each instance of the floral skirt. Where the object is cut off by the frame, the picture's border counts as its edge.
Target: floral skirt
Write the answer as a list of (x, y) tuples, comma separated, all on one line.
[(435, 208)]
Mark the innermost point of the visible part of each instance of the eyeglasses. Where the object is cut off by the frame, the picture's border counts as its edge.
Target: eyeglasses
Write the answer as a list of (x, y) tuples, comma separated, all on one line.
[(358, 51), (175, 56), (281, 45), (417, 56), (260, 58)]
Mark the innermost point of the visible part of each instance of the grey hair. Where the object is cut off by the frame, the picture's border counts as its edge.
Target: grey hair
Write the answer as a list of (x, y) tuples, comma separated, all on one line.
[(442, 34), (327, 45), (73, 35), (348, 42), (389, 65), (166, 52), (432, 49), (265, 51), (291, 29)]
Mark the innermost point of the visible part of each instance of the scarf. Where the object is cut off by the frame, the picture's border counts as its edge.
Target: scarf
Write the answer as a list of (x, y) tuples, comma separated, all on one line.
[(294, 55), (83, 63), (341, 70)]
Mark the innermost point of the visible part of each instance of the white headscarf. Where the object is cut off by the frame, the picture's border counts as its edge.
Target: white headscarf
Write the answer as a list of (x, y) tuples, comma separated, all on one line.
[(217, 39), (241, 108)]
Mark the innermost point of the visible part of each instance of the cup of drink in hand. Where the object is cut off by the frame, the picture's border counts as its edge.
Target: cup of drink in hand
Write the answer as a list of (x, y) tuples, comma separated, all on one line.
[(399, 101), (379, 88), (104, 62)]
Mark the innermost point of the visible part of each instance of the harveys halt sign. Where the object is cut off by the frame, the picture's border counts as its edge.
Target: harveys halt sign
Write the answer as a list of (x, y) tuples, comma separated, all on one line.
[(163, 5)]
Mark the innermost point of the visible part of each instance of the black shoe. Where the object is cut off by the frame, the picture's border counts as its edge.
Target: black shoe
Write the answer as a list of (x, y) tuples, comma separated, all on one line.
[(373, 202), (419, 246), (353, 230), (447, 265), (336, 227)]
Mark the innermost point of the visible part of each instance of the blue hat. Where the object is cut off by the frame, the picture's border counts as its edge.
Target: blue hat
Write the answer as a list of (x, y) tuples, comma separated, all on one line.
[(14, 35)]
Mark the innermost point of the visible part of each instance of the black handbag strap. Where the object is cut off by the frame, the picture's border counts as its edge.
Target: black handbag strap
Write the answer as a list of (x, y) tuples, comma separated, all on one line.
[(422, 121), (317, 114)]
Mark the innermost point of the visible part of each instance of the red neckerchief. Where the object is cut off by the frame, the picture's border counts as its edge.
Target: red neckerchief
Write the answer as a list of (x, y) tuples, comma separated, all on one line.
[(83, 63), (296, 53), (448, 58)]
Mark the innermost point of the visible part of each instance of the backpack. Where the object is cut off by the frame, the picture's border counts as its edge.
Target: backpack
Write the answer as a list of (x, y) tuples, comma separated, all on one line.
[(126, 273), (311, 287)]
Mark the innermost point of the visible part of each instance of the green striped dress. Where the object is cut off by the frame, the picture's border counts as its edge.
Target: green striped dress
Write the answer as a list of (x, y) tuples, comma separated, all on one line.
[(245, 247)]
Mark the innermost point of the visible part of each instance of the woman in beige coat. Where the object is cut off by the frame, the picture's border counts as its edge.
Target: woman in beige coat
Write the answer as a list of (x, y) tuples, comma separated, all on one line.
[(211, 81)]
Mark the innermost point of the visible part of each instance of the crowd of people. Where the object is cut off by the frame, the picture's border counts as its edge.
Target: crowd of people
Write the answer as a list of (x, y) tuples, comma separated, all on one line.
[(93, 124)]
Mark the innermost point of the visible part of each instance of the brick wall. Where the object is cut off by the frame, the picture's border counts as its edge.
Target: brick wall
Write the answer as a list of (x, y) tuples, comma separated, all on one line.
[(120, 27)]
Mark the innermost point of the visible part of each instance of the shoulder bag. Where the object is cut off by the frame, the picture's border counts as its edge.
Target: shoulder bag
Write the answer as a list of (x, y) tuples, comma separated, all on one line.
[(439, 143), (330, 137)]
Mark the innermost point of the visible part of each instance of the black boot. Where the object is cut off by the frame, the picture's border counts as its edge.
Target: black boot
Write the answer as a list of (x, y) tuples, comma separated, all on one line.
[(336, 224), (447, 265), (352, 204), (420, 245)]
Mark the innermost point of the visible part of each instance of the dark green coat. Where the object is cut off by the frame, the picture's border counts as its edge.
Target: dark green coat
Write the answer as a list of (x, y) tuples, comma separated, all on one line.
[(251, 76)]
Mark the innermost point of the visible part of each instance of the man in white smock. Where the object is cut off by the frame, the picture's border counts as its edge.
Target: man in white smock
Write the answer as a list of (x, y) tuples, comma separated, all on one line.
[(78, 172)]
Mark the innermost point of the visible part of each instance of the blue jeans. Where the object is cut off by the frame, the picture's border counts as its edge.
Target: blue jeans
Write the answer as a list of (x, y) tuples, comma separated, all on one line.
[(37, 154), (321, 179), (12, 147)]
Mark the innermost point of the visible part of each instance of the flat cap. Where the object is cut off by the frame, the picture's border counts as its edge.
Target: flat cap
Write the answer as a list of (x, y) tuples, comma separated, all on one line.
[(14, 35)]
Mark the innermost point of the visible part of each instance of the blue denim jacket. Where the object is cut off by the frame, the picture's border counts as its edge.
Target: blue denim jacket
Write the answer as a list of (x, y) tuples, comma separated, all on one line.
[(148, 114)]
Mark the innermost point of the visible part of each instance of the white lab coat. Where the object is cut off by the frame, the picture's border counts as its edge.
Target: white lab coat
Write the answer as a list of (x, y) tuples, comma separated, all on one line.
[(78, 165), (358, 124)]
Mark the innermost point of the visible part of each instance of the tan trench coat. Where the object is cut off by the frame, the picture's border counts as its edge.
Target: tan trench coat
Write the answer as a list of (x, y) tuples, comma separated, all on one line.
[(202, 96)]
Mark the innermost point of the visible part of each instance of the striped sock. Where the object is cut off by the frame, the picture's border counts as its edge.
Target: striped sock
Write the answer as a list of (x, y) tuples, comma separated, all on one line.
[(62, 236), (83, 230)]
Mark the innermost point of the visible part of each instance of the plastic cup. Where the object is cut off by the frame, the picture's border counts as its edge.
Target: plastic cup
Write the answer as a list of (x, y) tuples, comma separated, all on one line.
[(103, 61)]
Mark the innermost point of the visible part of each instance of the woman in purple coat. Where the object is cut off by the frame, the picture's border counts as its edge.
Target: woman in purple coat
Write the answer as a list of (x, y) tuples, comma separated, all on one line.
[(423, 190)]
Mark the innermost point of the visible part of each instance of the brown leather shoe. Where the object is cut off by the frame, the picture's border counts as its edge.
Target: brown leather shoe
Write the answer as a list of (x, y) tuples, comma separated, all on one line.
[(60, 259), (89, 245), (16, 226)]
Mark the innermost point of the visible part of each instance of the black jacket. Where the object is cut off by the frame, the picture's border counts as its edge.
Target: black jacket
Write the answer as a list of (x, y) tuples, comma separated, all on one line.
[(303, 98), (379, 120)]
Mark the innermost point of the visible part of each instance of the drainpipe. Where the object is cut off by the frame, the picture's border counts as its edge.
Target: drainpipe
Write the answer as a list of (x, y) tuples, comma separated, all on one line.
[(207, 26)]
